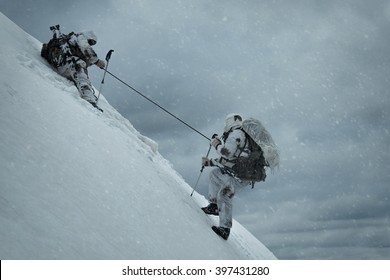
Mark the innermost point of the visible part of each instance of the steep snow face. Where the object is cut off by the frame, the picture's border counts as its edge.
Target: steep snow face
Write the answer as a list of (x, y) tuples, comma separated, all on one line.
[(76, 183)]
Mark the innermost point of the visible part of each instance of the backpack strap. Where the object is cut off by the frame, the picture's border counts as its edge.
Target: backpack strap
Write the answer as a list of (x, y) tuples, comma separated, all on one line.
[(245, 143), (244, 147)]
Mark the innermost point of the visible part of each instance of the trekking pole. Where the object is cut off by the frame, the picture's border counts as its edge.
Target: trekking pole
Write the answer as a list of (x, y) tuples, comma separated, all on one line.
[(201, 170), (108, 56)]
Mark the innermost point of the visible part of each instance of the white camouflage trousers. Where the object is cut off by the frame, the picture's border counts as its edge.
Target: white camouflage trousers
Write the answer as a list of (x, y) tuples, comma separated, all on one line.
[(222, 188), (76, 71)]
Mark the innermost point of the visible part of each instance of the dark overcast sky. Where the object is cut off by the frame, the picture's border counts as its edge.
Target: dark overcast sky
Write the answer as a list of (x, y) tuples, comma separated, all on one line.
[(317, 73)]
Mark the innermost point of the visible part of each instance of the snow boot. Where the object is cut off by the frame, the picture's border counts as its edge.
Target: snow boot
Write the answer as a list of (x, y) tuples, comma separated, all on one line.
[(222, 231), (211, 209)]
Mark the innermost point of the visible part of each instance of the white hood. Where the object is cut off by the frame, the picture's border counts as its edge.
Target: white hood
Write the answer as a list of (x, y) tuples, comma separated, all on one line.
[(89, 35)]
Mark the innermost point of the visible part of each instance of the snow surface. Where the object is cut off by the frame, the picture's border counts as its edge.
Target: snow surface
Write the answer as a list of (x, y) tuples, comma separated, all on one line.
[(76, 183)]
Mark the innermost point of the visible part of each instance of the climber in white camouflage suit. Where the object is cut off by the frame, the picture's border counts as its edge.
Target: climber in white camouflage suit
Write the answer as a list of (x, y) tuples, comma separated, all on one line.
[(223, 185), (83, 56)]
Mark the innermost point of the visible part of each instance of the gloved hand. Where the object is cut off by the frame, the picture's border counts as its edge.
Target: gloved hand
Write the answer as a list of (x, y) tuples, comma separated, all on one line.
[(100, 63), (215, 142), (205, 161)]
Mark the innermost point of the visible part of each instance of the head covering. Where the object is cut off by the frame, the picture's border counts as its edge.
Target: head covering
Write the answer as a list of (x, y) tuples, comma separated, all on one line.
[(90, 37), (232, 121)]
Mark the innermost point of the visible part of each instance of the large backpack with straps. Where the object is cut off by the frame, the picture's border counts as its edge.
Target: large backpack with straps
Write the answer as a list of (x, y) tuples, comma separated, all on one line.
[(263, 153), (57, 49)]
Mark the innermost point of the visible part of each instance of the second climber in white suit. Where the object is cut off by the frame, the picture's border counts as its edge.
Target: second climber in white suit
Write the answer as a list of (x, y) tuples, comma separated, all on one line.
[(83, 56)]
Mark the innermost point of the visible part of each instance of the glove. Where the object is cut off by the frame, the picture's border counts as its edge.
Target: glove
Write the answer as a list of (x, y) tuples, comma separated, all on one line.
[(206, 161), (100, 63), (215, 142)]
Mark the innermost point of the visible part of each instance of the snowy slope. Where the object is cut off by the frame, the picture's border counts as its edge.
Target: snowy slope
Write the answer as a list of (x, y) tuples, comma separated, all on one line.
[(79, 184)]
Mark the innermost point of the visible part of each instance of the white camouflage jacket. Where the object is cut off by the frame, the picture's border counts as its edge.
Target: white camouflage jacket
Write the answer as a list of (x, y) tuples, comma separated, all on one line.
[(233, 146)]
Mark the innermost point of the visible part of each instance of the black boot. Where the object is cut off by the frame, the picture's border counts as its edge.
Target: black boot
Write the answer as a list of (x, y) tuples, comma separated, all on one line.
[(222, 231), (211, 209)]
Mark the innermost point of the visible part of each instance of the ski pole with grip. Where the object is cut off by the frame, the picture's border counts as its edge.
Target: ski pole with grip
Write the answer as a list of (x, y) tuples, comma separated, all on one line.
[(201, 170), (108, 57)]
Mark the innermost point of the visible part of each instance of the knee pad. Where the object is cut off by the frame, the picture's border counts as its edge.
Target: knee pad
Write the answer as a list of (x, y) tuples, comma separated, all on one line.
[(228, 192)]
